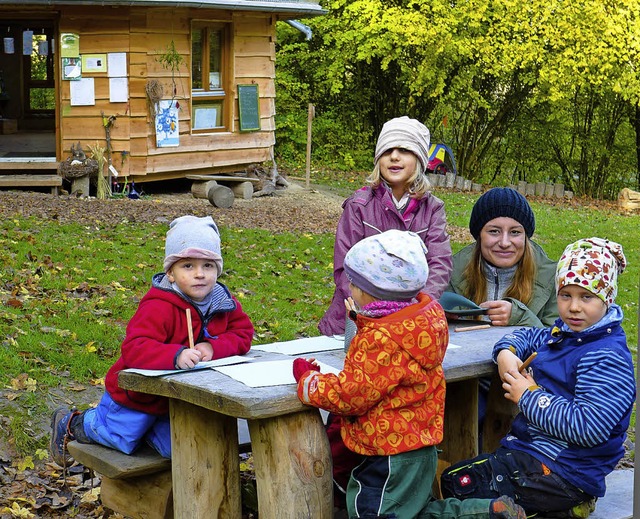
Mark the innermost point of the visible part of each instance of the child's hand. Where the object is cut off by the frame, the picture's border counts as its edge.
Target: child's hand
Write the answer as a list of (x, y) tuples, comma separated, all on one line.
[(206, 351), (507, 361), (515, 384), (188, 358), (499, 312), (302, 366)]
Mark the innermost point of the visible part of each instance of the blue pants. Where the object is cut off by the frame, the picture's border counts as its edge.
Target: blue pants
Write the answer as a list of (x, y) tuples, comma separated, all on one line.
[(125, 429)]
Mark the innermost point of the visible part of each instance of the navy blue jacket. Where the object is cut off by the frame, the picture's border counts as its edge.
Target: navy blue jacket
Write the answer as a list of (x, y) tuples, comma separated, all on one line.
[(575, 422)]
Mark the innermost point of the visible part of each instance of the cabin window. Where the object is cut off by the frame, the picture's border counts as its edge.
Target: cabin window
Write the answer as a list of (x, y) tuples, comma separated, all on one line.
[(39, 76), (209, 77)]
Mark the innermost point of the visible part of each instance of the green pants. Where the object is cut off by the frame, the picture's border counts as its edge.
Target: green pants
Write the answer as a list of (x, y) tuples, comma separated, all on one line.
[(400, 486)]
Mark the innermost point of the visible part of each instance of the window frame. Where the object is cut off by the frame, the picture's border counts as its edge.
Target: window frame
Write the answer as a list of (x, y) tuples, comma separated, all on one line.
[(224, 94)]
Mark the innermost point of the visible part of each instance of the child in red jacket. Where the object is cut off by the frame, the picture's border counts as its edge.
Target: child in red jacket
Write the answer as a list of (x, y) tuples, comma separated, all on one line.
[(158, 338), (391, 391)]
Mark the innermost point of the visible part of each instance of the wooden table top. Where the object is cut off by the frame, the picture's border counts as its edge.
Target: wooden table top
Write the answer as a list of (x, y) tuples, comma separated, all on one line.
[(212, 390)]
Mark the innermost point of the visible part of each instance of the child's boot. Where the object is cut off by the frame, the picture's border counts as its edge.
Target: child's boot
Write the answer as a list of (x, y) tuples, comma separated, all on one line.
[(505, 508), (66, 425)]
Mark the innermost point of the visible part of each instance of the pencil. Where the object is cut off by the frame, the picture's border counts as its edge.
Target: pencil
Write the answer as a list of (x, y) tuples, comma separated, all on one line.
[(529, 360), (472, 328), (190, 328)]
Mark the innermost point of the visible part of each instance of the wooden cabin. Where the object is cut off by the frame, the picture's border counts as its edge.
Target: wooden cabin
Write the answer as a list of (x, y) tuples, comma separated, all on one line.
[(177, 87)]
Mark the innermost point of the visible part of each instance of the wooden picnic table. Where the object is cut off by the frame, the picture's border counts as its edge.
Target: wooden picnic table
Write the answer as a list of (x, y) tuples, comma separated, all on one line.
[(290, 448)]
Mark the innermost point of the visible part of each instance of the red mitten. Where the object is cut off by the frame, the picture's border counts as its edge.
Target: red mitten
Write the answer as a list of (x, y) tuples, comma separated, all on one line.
[(301, 366)]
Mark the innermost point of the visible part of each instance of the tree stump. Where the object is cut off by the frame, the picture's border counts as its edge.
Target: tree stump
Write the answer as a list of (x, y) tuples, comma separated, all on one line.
[(220, 196), (201, 189), (628, 200), (243, 190)]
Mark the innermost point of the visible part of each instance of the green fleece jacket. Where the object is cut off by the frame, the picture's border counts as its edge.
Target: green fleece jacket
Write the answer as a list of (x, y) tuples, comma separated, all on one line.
[(541, 312)]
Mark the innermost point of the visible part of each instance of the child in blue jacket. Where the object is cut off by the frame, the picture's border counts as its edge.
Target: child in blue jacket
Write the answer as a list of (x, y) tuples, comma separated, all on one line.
[(575, 402)]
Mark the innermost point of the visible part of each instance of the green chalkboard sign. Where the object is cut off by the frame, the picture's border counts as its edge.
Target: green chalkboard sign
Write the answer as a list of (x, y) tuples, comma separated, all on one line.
[(249, 108)]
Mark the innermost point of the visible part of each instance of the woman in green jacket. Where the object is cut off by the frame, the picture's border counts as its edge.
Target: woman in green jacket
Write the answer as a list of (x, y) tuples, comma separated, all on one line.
[(504, 271)]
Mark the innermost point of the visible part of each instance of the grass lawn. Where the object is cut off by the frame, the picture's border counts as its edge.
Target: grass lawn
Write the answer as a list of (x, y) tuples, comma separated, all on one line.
[(68, 291)]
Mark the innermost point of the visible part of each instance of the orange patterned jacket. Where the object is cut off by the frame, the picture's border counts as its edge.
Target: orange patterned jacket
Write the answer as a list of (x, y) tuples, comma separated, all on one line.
[(392, 388)]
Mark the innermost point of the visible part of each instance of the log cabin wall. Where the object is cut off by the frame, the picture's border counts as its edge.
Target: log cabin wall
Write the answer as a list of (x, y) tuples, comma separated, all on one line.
[(143, 34)]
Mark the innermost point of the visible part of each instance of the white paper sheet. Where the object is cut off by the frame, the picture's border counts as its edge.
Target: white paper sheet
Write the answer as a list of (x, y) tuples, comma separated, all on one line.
[(117, 64), (269, 373), (302, 346), (234, 359), (118, 90), (83, 92)]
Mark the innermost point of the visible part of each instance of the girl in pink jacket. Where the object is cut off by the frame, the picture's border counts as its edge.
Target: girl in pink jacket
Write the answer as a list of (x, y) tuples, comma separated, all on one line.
[(398, 197)]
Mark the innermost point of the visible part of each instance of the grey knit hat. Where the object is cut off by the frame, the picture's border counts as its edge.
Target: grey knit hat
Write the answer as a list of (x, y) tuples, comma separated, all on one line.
[(501, 202), (403, 132), (391, 266), (192, 237)]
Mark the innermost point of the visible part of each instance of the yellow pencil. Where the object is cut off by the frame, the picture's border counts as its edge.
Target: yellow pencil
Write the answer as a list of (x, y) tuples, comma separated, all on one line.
[(529, 360), (190, 328), (472, 328)]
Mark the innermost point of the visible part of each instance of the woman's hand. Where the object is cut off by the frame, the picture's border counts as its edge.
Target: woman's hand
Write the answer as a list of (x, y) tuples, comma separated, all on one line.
[(499, 312)]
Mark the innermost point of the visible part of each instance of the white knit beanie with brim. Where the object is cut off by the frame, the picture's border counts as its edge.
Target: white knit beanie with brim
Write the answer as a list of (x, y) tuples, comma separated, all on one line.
[(192, 237), (391, 266), (403, 132)]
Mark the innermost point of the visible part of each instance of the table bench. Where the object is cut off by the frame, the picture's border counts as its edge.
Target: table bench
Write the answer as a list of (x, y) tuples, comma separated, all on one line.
[(136, 486)]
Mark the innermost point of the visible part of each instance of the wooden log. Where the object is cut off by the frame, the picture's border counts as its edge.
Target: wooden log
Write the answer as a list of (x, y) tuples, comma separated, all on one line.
[(243, 190), (476, 188), (500, 413), (201, 189), (460, 440), (539, 188), (548, 190), (628, 200), (467, 184), (530, 190), (558, 190), (148, 497), (205, 457), (449, 179), (292, 453), (81, 185), (522, 187), (459, 183), (220, 196)]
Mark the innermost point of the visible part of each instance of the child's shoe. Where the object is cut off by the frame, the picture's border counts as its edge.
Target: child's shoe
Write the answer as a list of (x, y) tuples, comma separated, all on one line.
[(61, 435), (505, 508)]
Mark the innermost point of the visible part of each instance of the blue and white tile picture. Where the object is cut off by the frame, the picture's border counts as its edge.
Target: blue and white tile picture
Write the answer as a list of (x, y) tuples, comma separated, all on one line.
[(167, 133)]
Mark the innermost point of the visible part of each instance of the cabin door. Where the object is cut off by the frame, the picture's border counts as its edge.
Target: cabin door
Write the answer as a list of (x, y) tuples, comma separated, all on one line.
[(27, 89)]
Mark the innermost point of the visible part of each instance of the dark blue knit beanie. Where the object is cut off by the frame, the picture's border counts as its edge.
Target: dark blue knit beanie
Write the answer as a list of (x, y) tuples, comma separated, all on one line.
[(501, 202)]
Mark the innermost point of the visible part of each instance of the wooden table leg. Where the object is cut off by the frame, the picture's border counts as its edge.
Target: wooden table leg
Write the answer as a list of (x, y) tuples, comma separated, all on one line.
[(292, 461), (460, 421), (205, 463), (499, 415)]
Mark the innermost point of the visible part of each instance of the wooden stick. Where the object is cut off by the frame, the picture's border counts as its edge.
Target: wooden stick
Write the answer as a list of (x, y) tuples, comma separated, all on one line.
[(473, 328), (529, 360), (190, 328)]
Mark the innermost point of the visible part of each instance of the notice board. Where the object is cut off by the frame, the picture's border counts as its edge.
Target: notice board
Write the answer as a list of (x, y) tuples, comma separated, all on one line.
[(249, 108)]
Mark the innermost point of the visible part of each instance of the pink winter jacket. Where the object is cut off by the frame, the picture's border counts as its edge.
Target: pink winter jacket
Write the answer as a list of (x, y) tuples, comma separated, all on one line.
[(372, 211)]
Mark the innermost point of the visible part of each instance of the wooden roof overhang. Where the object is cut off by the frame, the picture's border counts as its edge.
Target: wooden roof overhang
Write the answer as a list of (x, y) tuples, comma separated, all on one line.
[(291, 8)]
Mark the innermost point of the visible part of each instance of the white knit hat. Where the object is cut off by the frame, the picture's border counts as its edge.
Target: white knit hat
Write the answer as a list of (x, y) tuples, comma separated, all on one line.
[(391, 266), (403, 132), (192, 237)]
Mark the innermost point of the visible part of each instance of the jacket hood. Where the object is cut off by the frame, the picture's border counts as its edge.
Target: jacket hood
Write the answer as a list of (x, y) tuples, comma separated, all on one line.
[(406, 328)]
